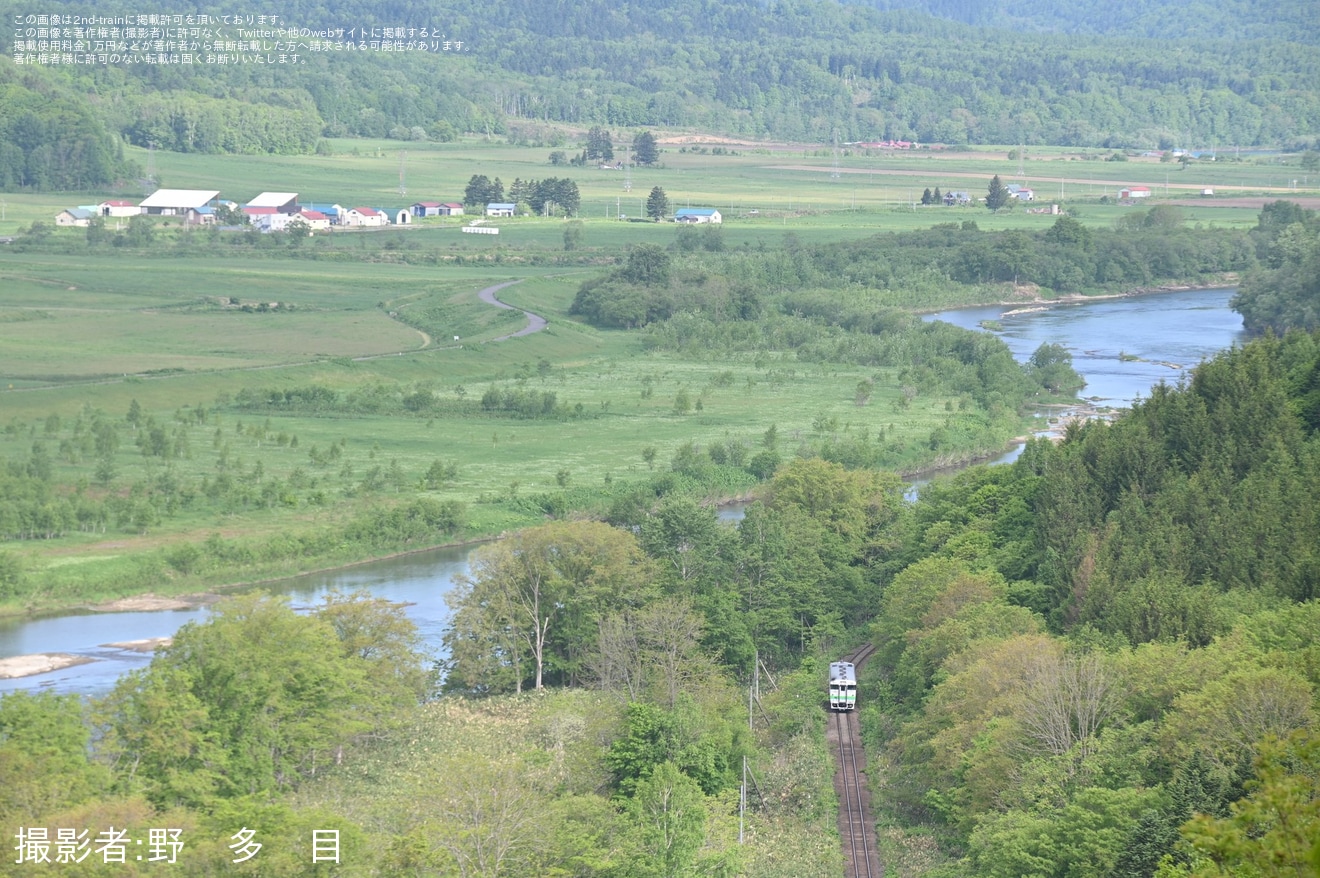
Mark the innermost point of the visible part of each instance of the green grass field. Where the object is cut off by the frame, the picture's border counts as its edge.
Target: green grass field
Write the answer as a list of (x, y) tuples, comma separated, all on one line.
[(189, 323)]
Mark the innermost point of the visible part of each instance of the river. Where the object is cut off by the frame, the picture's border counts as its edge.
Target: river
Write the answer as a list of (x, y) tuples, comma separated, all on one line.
[(1122, 347)]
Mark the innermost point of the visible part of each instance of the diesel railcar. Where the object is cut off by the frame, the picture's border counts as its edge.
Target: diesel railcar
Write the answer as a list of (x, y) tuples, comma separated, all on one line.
[(843, 686)]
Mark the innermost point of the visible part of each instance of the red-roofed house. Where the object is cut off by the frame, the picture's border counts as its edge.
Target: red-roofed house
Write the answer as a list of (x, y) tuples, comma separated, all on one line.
[(315, 220), (363, 216), (1132, 192), (119, 207)]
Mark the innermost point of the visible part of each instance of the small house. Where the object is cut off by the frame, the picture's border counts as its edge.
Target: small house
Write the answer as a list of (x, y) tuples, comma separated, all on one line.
[(75, 216), (1021, 193), (118, 208), (451, 208), (201, 216), (257, 216), (496, 208), (959, 199), (362, 217), (423, 209), (1133, 192), (697, 215), (274, 221), (315, 220)]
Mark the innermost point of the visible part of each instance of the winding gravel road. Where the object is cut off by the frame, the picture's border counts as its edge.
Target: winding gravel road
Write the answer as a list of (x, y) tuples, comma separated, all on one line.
[(535, 322)]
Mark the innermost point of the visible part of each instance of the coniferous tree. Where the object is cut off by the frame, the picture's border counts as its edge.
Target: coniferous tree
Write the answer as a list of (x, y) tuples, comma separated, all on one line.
[(599, 144), (657, 204), (996, 196)]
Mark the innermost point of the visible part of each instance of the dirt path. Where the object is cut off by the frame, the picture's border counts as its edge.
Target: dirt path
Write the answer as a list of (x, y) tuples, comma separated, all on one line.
[(535, 322)]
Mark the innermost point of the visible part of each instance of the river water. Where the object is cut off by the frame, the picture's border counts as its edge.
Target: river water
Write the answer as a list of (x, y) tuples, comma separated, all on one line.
[(1166, 333)]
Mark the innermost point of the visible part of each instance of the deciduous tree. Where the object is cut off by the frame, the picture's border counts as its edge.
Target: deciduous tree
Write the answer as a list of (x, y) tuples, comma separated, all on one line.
[(645, 151)]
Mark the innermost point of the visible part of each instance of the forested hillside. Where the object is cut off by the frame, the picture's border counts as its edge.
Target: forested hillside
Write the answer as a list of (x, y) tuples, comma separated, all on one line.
[(52, 137), (1141, 18), (1078, 654), (803, 71)]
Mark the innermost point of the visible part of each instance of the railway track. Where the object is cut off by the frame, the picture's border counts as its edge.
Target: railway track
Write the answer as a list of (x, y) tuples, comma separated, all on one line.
[(855, 823)]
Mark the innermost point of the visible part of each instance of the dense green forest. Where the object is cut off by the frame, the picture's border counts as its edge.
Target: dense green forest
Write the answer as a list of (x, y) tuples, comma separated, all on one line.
[(51, 137), (804, 71), (1284, 293), (1100, 660)]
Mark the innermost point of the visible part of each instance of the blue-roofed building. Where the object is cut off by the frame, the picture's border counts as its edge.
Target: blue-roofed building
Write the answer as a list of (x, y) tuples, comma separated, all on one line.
[(496, 208), (697, 215)]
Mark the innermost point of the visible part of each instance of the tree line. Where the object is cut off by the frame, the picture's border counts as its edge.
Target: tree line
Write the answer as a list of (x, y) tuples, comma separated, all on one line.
[(903, 268)]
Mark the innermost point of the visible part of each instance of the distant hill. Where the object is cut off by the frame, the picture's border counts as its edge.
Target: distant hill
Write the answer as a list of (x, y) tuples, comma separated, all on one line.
[(1142, 74), (1294, 20)]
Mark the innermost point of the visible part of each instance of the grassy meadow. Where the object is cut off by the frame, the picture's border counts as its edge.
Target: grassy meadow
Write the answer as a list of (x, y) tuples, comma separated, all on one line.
[(187, 325)]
